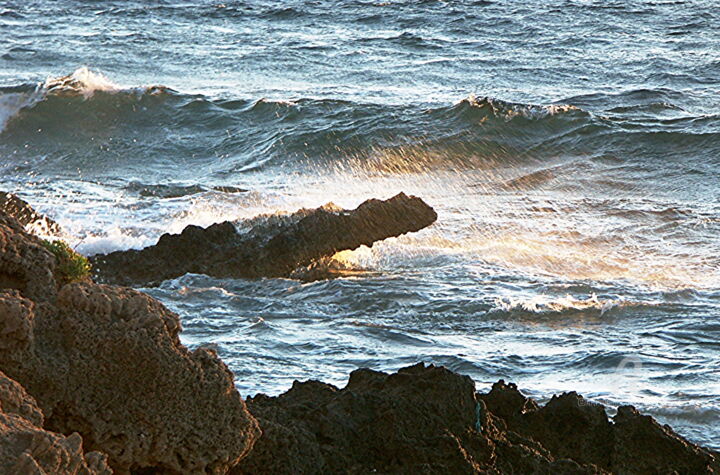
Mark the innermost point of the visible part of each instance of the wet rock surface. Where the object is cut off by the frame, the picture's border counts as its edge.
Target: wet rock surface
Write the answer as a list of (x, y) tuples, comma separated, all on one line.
[(12, 205), (106, 362), (426, 419), (272, 250)]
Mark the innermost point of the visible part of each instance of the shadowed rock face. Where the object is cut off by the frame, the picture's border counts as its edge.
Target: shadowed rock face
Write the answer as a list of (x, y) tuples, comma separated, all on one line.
[(26, 448), (426, 419), (106, 362), (272, 250)]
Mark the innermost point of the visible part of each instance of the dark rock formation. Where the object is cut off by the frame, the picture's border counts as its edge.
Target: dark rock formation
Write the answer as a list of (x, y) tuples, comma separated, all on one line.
[(642, 445), (106, 382), (106, 362), (19, 209), (425, 419), (26, 448), (271, 250)]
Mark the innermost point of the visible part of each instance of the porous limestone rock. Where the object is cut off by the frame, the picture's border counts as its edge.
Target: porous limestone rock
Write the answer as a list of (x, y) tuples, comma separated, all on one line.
[(13, 205), (107, 362), (26, 448)]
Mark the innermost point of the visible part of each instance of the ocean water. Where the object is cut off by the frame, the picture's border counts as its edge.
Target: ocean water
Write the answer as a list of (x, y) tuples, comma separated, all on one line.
[(570, 148)]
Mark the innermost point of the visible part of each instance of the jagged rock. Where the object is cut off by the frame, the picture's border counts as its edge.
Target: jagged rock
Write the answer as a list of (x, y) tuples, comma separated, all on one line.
[(422, 419), (107, 362), (15, 400), (642, 445), (269, 251), (26, 448), (426, 419), (19, 209), (569, 426), (106, 372)]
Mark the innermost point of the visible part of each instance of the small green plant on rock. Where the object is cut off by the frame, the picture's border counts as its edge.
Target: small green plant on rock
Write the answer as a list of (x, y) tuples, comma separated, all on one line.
[(71, 266)]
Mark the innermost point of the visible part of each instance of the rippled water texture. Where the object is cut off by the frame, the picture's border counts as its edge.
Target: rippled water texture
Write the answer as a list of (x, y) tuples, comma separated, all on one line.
[(571, 149)]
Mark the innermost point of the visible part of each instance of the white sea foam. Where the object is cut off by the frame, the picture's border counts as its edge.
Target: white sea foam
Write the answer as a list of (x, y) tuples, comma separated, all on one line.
[(114, 239), (82, 81), (509, 111), (547, 304)]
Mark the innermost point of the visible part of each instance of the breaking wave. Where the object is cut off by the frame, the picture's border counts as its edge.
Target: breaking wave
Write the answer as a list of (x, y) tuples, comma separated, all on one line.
[(137, 126)]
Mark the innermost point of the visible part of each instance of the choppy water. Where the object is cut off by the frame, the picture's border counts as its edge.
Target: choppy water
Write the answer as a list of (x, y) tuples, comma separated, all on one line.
[(571, 149)]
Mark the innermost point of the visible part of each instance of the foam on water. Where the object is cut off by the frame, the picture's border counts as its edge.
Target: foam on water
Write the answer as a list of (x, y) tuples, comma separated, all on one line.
[(547, 304), (82, 81)]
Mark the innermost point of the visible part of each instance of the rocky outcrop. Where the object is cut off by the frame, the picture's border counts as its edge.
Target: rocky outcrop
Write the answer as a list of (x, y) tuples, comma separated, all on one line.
[(273, 249), (26, 448), (570, 426), (426, 419), (94, 377), (106, 362), (12, 205)]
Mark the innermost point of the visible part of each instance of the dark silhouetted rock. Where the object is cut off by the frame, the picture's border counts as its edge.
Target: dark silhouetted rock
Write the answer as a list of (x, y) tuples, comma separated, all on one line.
[(642, 445), (274, 249), (571, 427), (422, 419), (426, 419), (568, 425), (107, 362)]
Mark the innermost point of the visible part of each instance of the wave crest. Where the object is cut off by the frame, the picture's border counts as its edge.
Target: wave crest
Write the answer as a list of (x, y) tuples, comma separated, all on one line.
[(83, 83), (509, 110)]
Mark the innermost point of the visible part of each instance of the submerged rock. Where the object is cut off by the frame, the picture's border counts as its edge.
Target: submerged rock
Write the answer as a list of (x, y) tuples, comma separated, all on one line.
[(427, 419), (106, 362), (272, 251), (26, 448)]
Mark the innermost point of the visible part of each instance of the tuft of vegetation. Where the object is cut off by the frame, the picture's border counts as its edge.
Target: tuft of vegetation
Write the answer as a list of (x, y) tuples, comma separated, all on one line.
[(71, 266)]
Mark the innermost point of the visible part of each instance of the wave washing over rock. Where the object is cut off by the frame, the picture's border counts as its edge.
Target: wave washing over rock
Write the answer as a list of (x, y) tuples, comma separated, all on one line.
[(266, 250), (93, 379)]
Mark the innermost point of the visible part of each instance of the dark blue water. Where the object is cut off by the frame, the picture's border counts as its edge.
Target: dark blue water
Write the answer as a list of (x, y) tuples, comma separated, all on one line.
[(571, 149)]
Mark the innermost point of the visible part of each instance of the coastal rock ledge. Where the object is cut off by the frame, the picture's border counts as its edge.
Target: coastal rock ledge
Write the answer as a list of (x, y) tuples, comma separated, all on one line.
[(427, 419), (106, 363), (94, 380), (274, 248)]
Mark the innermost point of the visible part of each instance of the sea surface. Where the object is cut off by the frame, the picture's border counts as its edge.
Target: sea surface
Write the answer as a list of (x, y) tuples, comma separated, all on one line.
[(570, 148)]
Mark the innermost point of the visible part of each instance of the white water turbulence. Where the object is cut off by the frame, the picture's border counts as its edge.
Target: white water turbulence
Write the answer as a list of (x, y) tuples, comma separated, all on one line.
[(82, 81), (574, 177)]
